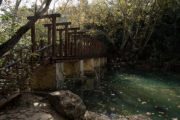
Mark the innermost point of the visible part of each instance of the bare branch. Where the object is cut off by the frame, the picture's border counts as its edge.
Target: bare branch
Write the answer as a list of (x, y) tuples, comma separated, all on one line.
[(1, 2), (5, 47), (18, 2)]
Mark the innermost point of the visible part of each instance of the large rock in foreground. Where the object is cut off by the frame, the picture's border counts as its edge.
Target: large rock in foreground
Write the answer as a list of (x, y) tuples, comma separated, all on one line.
[(67, 104)]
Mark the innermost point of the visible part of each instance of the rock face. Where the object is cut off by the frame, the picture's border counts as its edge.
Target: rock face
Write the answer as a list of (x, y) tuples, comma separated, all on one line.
[(67, 104)]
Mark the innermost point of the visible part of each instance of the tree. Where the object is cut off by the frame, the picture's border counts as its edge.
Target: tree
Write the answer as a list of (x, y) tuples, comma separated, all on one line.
[(9, 44), (0, 2), (129, 23), (165, 39)]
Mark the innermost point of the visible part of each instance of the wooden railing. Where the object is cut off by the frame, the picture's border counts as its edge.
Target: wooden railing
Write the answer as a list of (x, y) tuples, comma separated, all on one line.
[(16, 67), (71, 44)]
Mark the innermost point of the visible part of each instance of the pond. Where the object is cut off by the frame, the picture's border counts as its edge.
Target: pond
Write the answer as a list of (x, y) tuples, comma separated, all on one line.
[(156, 95)]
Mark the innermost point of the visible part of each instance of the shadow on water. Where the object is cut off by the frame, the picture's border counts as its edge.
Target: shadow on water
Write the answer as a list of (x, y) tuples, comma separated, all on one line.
[(137, 92)]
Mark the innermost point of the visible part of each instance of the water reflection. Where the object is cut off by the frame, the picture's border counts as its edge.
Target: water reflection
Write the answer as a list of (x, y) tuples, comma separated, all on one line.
[(151, 94)]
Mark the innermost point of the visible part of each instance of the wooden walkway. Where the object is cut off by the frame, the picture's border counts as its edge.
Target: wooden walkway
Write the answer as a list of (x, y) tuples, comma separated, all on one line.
[(63, 43)]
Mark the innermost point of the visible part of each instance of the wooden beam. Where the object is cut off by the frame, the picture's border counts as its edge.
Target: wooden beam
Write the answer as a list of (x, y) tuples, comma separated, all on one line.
[(75, 28), (58, 24), (44, 16)]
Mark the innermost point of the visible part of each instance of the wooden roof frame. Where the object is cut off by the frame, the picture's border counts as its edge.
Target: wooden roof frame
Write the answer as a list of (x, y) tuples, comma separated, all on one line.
[(44, 16)]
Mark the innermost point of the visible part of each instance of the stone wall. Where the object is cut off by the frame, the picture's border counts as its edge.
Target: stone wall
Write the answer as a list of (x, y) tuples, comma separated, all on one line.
[(51, 76), (44, 78)]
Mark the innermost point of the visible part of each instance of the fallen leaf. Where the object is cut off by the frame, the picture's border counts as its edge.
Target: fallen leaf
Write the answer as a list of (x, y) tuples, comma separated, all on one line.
[(112, 109), (148, 113), (113, 94), (174, 119), (161, 112), (144, 102), (139, 99)]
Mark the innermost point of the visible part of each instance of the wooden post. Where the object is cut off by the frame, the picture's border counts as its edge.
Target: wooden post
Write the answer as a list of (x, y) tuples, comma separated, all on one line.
[(54, 36), (49, 35), (60, 43), (88, 48), (84, 46), (95, 53), (17, 76), (33, 37), (68, 45), (66, 40), (42, 52), (81, 46), (92, 47), (75, 40), (49, 39), (33, 40), (71, 44), (87, 45), (79, 50)]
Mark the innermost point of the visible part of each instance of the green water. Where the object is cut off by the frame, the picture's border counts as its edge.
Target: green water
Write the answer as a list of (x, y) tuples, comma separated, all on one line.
[(155, 95)]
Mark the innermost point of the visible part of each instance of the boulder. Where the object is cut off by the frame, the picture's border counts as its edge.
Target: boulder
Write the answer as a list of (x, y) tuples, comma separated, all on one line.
[(67, 104)]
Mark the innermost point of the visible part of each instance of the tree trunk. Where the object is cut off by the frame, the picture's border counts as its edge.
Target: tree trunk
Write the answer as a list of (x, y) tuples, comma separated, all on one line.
[(5, 47), (0, 2)]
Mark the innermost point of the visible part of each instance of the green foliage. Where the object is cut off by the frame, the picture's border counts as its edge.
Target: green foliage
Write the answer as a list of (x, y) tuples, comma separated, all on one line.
[(138, 30), (10, 22), (133, 29), (165, 39)]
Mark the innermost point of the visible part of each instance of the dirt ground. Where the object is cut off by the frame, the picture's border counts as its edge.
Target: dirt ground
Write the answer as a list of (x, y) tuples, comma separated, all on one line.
[(29, 107)]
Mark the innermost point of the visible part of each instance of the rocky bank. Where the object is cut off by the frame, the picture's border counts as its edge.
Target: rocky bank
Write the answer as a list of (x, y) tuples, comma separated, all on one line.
[(33, 107)]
